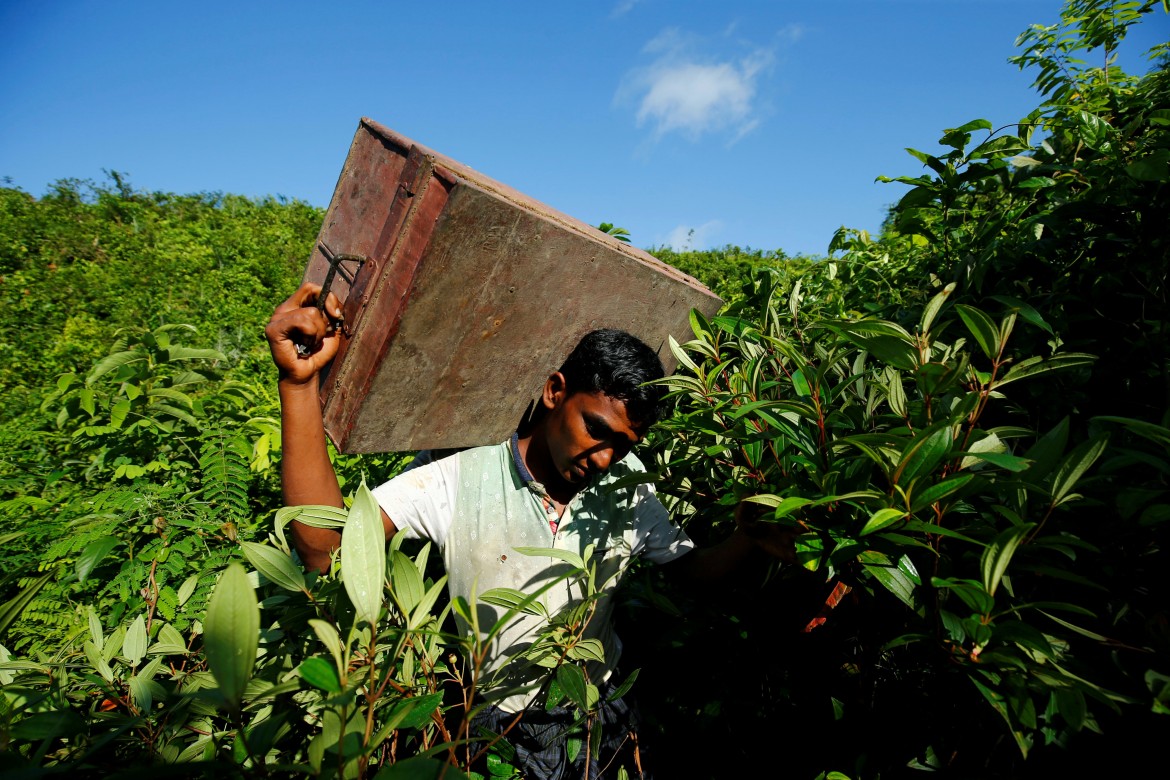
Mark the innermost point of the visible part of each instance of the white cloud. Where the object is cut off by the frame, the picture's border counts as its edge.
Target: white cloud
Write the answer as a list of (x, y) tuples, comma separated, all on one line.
[(684, 91), (622, 8), (791, 33), (687, 237)]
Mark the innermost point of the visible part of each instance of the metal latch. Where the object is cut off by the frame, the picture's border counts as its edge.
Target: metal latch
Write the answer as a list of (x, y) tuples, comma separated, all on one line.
[(335, 268)]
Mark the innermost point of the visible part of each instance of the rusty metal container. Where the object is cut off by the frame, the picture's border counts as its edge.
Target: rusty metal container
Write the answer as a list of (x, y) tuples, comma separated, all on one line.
[(461, 295)]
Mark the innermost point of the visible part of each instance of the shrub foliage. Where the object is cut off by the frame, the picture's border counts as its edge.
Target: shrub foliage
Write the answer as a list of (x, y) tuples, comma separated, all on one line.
[(965, 417)]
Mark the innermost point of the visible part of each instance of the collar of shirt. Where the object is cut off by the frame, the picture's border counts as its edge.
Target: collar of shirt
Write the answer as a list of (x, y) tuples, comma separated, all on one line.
[(537, 488)]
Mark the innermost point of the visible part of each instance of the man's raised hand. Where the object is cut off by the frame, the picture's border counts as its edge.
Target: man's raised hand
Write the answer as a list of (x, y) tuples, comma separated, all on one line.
[(298, 322)]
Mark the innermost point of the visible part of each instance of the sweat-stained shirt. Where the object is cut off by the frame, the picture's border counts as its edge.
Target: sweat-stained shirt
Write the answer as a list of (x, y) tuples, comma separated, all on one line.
[(481, 504)]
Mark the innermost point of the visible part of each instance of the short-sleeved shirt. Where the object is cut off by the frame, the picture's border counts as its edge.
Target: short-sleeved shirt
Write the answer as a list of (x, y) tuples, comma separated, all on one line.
[(481, 504)]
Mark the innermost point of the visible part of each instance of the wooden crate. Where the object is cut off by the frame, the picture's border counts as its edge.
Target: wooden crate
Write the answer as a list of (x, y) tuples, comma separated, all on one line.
[(470, 295)]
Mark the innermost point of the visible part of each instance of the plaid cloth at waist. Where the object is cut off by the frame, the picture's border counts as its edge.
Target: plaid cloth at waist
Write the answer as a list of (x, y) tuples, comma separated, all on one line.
[(540, 739)]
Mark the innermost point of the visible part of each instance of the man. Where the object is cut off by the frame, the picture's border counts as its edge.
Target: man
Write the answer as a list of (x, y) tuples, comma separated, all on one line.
[(551, 485)]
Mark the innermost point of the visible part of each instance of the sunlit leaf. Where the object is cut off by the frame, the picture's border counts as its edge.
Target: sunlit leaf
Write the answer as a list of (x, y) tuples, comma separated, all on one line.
[(890, 575), (882, 518), (329, 637), (588, 650), (111, 362), (1038, 365), (1073, 467), (95, 627), (320, 674), (571, 558), (572, 682), (982, 327), (405, 582), (682, 357), (231, 633), (94, 656), (924, 452), (135, 642), (934, 307), (940, 490), (999, 554), (363, 556), (1005, 460), (427, 602), (510, 598), (275, 565)]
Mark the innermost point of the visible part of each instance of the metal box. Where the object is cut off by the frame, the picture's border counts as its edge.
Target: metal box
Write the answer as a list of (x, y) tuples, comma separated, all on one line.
[(462, 295)]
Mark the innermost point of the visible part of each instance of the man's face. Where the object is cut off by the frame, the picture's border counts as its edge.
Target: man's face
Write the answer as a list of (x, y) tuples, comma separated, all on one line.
[(587, 433)]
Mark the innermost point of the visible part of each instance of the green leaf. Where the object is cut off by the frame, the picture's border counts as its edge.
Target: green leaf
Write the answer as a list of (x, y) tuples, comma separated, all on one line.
[(329, 637), (187, 589), (363, 556), (406, 584), (924, 452), (140, 685), (135, 643), (1093, 129), (1070, 703), (940, 490), (571, 558), (932, 309), (682, 357), (423, 611), (86, 399), (1005, 460), (784, 506), (231, 633), (95, 627), (1082, 631), (416, 712), (320, 674), (170, 640), (48, 725), (312, 515), (982, 328), (118, 412), (111, 362), (572, 682), (191, 353), (510, 598), (882, 518), (1038, 365), (1024, 310), (1035, 182), (94, 655), (588, 650), (893, 578), (93, 554), (896, 394), (625, 687), (277, 567), (999, 553), (1073, 467)]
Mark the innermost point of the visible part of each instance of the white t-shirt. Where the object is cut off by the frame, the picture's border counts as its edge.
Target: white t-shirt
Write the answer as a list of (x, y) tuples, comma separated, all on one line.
[(479, 505)]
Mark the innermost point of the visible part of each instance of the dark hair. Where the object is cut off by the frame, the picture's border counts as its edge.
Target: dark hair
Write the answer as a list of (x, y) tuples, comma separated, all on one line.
[(617, 364)]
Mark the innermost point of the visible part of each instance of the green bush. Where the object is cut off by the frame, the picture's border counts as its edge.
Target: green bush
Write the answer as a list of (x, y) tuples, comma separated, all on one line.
[(965, 416)]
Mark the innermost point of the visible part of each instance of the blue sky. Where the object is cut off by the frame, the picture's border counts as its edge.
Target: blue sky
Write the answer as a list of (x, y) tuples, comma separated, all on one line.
[(762, 124)]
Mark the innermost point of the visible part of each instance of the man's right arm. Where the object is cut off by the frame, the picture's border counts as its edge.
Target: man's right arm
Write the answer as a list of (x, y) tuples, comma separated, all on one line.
[(306, 473)]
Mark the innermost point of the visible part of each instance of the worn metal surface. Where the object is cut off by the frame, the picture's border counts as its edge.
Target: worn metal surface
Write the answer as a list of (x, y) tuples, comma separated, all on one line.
[(471, 294)]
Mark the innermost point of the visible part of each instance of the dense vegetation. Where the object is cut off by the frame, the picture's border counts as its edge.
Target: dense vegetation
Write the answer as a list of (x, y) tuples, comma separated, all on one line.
[(966, 416)]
